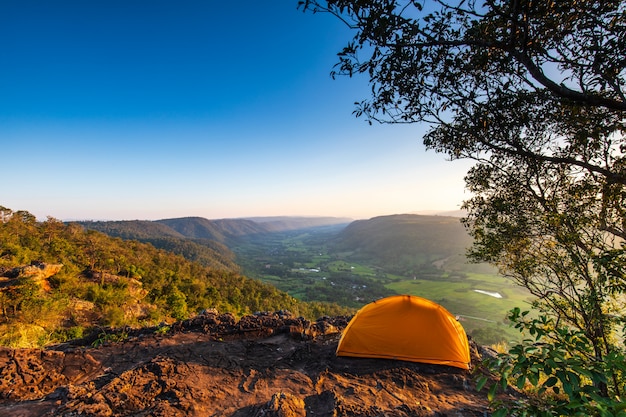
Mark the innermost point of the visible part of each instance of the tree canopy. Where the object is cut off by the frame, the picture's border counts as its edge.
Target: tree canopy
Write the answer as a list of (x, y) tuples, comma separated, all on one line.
[(533, 91)]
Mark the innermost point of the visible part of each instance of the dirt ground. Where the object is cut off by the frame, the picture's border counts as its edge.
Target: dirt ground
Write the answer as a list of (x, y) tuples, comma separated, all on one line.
[(266, 365)]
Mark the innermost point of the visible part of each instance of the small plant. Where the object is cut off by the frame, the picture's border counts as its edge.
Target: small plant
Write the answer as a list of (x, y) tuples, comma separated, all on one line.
[(61, 335), (110, 337), (162, 330)]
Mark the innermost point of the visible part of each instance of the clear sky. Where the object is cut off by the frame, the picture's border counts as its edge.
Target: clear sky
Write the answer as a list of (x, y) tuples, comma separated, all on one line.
[(151, 109)]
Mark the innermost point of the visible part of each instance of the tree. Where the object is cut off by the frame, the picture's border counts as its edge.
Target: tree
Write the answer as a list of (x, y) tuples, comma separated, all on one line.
[(533, 91), (177, 303)]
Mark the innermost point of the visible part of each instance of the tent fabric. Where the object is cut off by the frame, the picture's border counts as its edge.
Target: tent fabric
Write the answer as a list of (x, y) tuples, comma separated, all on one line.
[(408, 328)]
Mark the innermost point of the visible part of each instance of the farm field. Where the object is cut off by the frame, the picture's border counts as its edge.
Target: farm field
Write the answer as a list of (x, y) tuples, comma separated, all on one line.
[(304, 264)]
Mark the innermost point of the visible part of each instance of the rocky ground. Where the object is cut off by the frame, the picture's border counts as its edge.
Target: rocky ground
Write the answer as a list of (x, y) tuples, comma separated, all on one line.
[(270, 364)]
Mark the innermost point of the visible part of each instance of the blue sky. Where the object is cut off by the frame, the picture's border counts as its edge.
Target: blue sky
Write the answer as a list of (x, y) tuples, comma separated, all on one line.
[(155, 109)]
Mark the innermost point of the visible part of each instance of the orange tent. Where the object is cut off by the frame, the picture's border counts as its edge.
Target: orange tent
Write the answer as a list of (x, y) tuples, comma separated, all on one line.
[(408, 328)]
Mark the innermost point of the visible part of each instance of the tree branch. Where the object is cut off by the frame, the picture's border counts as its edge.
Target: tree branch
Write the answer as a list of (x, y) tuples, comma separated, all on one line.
[(561, 90)]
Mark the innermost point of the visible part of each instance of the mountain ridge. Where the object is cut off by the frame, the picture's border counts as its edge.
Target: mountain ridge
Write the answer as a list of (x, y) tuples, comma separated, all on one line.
[(404, 242)]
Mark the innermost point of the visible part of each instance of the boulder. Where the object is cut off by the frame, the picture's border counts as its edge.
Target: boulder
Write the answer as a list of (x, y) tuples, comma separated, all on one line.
[(37, 272), (282, 404)]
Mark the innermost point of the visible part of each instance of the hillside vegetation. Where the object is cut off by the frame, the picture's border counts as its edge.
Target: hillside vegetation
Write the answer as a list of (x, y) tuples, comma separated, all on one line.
[(98, 280), (206, 248), (405, 244)]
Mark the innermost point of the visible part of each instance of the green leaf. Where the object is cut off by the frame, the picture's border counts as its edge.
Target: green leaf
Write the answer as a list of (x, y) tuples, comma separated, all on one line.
[(480, 383), (550, 382), (573, 405), (502, 412), (492, 392), (503, 383), (567, 387)]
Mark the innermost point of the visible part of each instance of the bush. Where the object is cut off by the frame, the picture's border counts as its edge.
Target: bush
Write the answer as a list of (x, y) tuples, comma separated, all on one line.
[(113, 316), (560, 373)]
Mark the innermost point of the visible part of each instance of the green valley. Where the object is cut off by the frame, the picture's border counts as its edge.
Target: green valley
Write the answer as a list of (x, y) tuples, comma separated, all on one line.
[(347, 263), (370, 259)]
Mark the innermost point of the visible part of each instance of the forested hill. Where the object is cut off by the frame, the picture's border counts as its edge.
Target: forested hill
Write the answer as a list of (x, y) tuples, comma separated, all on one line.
[(57, 280), (405, 241), (194, 228), (207, 249), (203, 240), (221, 230), (224, 230)]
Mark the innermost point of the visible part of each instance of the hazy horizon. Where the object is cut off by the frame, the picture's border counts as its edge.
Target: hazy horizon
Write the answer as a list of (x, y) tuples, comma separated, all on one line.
[(133, 110), (450, 213)]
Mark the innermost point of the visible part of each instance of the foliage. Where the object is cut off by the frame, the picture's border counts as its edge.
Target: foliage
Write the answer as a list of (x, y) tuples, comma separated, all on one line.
[(534, 93), (559, 372), (107, 281), (105, 337), (20, 335), (458, 61)]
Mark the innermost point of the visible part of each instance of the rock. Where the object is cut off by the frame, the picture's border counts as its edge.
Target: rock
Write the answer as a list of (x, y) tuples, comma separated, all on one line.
[(282, 404), (37, 272), (227, 370)]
